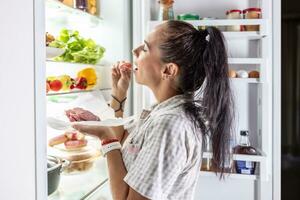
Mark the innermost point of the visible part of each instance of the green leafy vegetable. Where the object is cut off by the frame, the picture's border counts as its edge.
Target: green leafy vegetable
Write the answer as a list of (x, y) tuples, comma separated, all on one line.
[(77, 49)]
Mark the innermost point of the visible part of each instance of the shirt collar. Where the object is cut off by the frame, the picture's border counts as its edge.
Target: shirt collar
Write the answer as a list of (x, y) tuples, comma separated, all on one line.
[(168, 103)]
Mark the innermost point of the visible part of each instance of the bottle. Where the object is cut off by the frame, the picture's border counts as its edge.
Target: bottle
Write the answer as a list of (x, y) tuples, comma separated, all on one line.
[(206, 162), (166, 10), (81, 4), (244, 147), (92, 6)]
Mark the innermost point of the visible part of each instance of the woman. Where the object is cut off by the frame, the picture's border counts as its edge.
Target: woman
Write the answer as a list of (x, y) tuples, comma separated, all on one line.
[(161, 154)]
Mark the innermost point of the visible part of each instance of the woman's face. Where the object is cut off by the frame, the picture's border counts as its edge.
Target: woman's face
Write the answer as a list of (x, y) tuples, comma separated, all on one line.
[(147, 61)]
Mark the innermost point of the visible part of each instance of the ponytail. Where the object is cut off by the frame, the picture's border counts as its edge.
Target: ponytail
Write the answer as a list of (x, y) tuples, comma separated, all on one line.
[(217, 97), (202, 58)]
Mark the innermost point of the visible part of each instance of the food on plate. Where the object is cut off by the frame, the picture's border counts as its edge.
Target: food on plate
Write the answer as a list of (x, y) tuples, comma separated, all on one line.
[(90, 75), (242, 74), (254, 74), (49, 38), (77, 48), (55, 85), (66, 82), (232, 73), (81, 83), (74, 135), (75, 144), (58, 140), (126, 66), (72, 140), (79, 114)]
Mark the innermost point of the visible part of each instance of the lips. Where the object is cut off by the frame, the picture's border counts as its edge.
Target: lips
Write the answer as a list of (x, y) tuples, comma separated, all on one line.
[(135, 67)]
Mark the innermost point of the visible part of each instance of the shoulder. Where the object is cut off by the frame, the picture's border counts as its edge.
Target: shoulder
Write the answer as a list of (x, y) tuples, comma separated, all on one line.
[(170, 124)]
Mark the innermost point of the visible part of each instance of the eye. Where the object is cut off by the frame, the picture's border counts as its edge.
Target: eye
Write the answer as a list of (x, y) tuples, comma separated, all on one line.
[(144, 48)]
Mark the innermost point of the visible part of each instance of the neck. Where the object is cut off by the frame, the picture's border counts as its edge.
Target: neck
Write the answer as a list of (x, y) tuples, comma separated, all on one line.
[(163, 93)]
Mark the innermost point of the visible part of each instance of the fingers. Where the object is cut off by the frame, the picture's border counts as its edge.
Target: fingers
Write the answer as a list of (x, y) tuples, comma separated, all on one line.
[(126, 73)]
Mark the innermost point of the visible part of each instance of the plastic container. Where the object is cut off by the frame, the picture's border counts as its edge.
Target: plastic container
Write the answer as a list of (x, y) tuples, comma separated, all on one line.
[(80, 160), (252, 13), (188, 16), (234, 14)]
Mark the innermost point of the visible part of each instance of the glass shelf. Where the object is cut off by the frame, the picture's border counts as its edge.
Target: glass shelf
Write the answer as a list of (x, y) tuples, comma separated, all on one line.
[(79, 186), (76, 91), (55, 9)]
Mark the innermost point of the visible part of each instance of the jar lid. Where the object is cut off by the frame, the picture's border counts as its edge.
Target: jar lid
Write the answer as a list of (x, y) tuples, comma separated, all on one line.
[(188, 16), (251, 9), (232, 11)]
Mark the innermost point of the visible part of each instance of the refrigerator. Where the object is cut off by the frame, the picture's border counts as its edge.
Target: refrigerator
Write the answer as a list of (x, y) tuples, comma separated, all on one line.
[(119, 26)]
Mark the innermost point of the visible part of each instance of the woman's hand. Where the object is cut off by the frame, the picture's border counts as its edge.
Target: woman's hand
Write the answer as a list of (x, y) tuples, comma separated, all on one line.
[(121, 75), (101, 132)]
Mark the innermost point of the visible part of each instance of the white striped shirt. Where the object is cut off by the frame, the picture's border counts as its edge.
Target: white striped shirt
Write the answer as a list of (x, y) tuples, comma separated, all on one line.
[(162, 153)]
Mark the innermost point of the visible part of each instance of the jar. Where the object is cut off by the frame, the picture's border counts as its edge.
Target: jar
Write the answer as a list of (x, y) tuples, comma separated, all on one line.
[(92, 6), (166, 10), (234, 14), (252, 13), (81, 5)]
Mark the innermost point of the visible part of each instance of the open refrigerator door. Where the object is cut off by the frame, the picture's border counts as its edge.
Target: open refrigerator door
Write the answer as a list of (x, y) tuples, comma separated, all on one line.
[(247, 28), (84, 39)]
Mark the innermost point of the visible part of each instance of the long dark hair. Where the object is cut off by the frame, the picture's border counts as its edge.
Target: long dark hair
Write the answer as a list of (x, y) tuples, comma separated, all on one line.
[(202, 59)]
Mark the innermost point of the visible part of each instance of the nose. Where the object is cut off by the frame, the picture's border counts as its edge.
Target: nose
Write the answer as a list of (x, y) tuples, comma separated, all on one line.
[(135, 52)]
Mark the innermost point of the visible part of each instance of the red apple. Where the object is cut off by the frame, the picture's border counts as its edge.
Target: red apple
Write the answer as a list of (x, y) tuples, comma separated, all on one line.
[(56, 85)]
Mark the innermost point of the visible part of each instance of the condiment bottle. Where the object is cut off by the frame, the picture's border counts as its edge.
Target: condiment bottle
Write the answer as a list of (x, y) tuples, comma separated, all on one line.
[(166, 10), (244, 147)]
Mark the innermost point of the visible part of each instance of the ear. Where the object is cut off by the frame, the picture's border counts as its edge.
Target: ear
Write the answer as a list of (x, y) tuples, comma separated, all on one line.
[(170, 71)]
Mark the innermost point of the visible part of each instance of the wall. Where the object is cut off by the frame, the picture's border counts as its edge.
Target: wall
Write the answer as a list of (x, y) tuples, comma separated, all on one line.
[(17, 102)]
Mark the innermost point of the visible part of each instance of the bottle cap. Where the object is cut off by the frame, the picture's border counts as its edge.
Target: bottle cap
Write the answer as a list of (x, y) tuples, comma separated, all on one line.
[(244, 133)]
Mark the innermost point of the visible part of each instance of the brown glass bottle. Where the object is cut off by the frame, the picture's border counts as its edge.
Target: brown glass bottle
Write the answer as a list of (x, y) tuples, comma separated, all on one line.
[(244, 147)]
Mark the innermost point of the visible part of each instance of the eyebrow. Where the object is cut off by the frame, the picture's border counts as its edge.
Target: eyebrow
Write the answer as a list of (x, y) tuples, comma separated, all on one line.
[(147, 43)]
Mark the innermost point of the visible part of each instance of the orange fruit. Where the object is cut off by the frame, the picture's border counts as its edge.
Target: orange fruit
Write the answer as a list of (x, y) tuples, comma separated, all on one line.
[(90, 75)]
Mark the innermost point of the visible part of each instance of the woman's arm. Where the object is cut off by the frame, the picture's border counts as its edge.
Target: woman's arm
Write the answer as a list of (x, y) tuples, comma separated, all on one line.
[(117, 171), (121, 75), (116, 168), (119, 130)]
